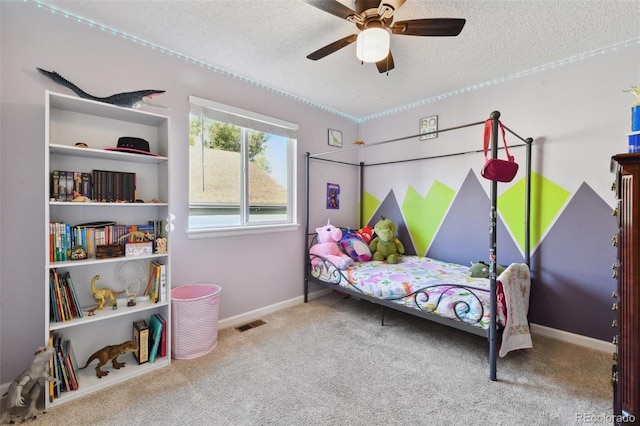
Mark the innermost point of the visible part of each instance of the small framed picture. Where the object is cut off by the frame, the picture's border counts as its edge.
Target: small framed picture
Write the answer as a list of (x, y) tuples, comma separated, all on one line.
[(335, 138), (429, 125), (333, 196)]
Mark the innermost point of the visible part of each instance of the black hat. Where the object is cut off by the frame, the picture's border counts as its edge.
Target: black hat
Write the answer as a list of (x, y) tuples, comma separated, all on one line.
[(132, 145)]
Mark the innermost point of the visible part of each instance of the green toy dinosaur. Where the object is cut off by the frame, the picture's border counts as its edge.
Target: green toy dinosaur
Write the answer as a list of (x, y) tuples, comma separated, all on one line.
[(481, 270)]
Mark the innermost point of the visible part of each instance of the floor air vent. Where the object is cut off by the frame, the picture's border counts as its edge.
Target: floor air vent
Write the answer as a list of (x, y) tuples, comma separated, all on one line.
[(249, 326)]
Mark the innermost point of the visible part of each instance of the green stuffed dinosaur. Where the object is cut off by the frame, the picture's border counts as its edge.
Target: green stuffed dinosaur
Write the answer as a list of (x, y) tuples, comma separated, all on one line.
[(385, 246), (481, 270)]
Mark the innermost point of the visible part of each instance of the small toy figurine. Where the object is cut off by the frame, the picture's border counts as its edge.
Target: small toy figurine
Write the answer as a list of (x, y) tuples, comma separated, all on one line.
[(29, 382), (102, 294), (91, 312), (161, 245), (131, 299), (126, 99), (110, 353)]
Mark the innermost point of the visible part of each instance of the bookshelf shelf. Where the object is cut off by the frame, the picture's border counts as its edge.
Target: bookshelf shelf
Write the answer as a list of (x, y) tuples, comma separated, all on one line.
[(106, 314), (103, 154), (90, 383), (93, 261), (69, 120)]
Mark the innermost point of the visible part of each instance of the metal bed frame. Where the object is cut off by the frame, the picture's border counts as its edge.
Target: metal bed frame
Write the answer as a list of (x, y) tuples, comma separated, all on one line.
[(492, 333)]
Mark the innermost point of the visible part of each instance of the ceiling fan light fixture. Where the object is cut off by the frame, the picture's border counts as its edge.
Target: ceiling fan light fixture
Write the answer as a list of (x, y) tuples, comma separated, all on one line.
[(372, 45)]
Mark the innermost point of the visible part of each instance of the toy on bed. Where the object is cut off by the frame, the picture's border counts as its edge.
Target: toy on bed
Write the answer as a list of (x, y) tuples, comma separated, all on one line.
[(328, 247), (385, 246), (481, 270), (353, 243)]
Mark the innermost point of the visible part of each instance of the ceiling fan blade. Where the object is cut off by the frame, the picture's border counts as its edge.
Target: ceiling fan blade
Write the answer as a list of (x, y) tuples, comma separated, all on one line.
[(387, 8), (429, 27), (386, 64), (333, 7), (333, 47)]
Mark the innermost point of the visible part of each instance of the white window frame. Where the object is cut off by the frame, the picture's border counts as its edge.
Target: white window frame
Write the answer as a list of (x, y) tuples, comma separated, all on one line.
[(237, 116)]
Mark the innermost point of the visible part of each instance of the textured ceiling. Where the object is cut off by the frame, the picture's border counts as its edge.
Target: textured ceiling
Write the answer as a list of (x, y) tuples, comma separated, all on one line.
[(267, 41)]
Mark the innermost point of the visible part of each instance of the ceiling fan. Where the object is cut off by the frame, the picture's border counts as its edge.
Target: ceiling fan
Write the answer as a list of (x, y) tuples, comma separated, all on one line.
[(374, 18)]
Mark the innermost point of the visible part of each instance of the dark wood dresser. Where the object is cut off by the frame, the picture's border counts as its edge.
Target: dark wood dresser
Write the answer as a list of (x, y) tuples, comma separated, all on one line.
[(626, 298)]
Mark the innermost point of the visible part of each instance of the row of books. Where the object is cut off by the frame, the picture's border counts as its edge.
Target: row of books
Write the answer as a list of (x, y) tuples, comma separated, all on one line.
[(151, 338), (99, 185), (63, 366), (64, 304), (63, 237), (157, 282)]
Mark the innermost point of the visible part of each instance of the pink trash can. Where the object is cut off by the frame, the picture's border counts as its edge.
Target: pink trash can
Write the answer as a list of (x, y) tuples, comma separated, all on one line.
[(194, 320)]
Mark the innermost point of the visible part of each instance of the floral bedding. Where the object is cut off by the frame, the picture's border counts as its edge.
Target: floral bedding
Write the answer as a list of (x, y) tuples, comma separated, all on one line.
[(423, 283)]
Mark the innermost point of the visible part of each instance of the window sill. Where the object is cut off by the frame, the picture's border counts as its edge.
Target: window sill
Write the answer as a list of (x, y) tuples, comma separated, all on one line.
[(194, 234)]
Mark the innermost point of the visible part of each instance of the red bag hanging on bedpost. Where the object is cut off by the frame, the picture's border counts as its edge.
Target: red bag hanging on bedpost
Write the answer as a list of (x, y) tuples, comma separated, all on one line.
[(494, 168)]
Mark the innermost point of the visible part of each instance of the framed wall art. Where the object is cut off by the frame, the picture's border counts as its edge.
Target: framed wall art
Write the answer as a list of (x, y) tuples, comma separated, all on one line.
[(335, 138), (428, 125), (333, 196)]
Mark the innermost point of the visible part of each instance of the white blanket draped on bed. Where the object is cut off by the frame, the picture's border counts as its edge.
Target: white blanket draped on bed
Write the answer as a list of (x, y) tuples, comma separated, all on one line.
[(516, 285)]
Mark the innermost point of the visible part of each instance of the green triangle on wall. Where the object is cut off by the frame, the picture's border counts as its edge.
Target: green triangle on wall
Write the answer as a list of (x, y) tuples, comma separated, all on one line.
[(370, 205), (425, 214), (511, 207)]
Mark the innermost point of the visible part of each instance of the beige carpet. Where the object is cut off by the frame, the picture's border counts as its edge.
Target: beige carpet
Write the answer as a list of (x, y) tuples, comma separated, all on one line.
[(329, 362)]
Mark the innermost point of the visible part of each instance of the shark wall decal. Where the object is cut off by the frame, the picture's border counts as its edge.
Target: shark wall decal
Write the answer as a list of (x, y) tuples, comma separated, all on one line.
[(125, 99)]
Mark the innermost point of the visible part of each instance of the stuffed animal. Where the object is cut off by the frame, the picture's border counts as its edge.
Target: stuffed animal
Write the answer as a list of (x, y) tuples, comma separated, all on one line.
[(481, 270), (328, 247), (355, 247), (366, 234), (385, 246)]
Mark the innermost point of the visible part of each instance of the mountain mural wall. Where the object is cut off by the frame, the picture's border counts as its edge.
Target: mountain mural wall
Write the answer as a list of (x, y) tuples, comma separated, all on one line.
[(571, 252)]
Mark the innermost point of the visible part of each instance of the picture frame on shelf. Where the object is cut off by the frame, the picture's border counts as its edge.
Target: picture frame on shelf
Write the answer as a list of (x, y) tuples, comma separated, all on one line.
[(428, 125), (335, 138)]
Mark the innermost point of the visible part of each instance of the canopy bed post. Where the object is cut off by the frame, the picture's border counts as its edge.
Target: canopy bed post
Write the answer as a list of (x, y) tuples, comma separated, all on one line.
[(493, 299), (527, 204), (361, 196), (306, 228)]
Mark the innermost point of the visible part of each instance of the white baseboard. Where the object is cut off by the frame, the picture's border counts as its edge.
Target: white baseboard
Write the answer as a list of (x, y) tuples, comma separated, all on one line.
[(542, 330), (257, 313), (577, 339)]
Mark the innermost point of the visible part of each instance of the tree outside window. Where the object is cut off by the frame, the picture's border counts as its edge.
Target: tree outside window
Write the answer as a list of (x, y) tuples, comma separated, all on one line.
[(239, 168)]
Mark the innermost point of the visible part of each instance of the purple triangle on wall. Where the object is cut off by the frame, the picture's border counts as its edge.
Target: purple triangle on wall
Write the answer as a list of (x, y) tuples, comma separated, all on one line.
[(389, 208), (572, 269), (463, 236)]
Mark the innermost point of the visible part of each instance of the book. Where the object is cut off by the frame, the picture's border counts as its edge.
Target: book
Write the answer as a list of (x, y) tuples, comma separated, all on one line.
[(69, 366), (52, 372), (86, 185), (55, 185), (74, 296), (60, 359), (58, 298), (155, 332), (162, 284), (162, 349), (151, 281), (141, 337), (155, 285), (62, 185), (69, 186), (74, 361)]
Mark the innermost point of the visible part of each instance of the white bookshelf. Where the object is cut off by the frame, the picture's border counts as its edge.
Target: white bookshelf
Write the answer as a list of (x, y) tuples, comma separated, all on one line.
[(68, 120)]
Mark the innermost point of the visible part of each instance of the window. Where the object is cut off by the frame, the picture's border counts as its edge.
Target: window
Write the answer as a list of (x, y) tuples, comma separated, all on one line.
[(241, 170)]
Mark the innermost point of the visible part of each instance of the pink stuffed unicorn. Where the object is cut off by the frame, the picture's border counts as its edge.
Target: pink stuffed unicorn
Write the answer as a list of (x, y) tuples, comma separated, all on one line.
[(328, 247)]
